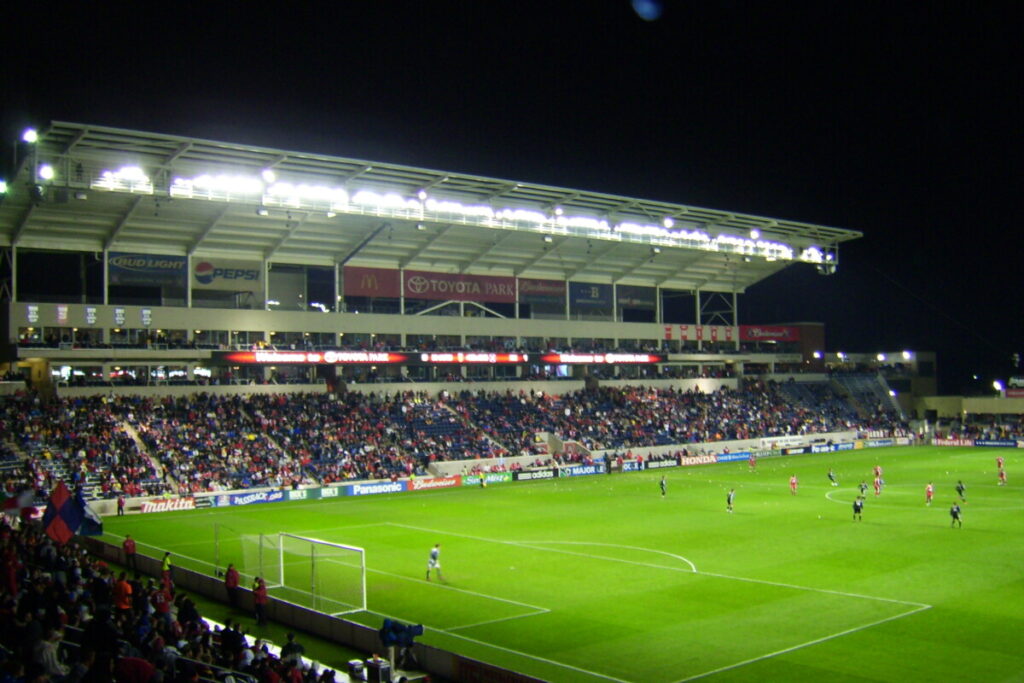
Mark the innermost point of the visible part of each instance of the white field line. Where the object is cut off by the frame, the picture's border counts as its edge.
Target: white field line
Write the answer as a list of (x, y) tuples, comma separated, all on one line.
[(498, 621), (525, 655), (800, 646)]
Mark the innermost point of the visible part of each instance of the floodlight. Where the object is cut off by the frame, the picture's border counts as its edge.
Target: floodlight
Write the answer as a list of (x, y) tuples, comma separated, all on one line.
[(892, 392), (548, 239), (817, 354), (840, 355), (668, 222), (422, 194), (907, 355), (755, 234), (262, 211), (46, 172), (3, 187), (331, 214), (420, 226), (997, 385), (559, 211), (655, 250), (30, 136), (269, 175), (881, 357)]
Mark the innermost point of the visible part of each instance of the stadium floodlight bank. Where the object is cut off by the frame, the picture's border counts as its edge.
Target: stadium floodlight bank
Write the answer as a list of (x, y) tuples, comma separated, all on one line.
[(310, 572)]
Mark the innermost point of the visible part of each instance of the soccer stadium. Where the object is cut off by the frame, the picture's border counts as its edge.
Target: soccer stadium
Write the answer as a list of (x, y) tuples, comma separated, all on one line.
[(448, 427)]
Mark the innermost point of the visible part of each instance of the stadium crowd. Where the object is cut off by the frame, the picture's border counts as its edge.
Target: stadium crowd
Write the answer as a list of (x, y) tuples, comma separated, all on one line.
[(126, 446), (69, 618)]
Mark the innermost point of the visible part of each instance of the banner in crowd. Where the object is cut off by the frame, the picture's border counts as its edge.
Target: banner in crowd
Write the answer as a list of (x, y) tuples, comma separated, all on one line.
[(541, 292), (419, 284), (371, 282), (634, 296), (996, 443), (779, 333), (67, 514), (146, 270), (587, 295), (230, 275)]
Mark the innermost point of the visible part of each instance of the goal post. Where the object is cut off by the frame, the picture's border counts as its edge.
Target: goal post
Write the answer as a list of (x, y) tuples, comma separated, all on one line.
[(325, 576)]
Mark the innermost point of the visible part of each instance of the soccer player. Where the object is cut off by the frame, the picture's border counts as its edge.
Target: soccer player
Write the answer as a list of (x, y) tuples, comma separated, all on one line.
[(752, 462), (793, 484), (878, 471), (729, 498), (954, 513), (664, 486), (929, 491), (832, 477), (878, 486), (961, 489), (999, 462), (858, 508), (435, 562), (863, 488), (1002, 477)]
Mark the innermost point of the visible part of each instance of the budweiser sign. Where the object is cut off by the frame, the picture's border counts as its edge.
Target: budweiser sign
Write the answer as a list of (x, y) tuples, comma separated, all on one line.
[(165, 505), (435, 483), (769, 333)]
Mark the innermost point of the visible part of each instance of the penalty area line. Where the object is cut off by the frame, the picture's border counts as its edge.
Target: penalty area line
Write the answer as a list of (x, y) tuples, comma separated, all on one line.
[(800, 646)]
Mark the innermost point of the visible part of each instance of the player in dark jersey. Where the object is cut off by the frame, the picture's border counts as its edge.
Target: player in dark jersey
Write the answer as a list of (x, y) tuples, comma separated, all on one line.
[(664, 486), (961, 489), (729, 498), (863, 487), (832, 477), (954, 513), (858, 508)]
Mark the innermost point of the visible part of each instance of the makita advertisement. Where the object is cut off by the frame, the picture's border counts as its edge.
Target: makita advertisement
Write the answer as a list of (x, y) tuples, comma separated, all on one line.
[(434, 483), (705, 459), (370, 489), (226, 499), (228, 274), (730, 457), (165, 505), (530, 475), (581, 470), (146, 270)]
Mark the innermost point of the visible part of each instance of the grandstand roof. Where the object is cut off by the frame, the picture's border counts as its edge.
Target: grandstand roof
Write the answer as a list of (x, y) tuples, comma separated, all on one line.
[(388, 215)]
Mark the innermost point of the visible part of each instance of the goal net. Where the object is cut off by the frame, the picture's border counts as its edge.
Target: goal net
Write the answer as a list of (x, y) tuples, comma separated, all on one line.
[(324, 576)]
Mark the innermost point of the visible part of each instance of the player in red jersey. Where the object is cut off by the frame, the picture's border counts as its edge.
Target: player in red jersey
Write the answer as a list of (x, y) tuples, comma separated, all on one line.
[(793, 484), (878, 471), (999, 462), (752, 462), (1002, 477), (878, 486), (929, 491)]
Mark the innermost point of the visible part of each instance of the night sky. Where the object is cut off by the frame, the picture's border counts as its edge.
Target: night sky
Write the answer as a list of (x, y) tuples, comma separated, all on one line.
[(901, 120)]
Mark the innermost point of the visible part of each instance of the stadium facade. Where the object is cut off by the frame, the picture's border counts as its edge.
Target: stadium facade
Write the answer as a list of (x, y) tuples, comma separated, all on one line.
[(132, 257)]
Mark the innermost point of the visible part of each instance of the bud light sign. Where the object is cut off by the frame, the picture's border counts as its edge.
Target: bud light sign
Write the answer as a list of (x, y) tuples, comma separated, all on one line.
[(224, 274)]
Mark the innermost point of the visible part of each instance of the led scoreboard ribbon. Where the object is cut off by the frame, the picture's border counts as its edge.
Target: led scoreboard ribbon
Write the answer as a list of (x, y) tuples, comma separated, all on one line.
[(272, 357)]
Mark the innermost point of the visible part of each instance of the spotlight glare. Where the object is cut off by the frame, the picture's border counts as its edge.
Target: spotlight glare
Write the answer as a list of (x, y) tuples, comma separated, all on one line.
[(30, 136), (46, 172)]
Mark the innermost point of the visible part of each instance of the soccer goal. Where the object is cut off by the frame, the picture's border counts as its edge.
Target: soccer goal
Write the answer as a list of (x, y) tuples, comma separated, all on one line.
[(324, 576)]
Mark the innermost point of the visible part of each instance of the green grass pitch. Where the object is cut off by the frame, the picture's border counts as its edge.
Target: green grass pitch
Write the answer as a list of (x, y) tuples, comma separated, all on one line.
[(600, 578)]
